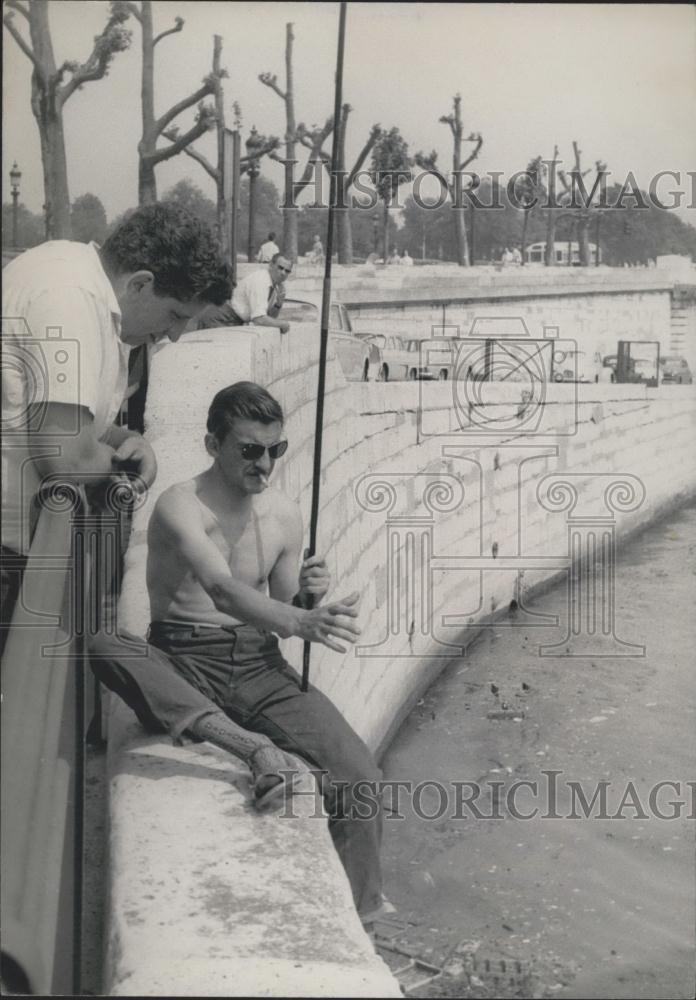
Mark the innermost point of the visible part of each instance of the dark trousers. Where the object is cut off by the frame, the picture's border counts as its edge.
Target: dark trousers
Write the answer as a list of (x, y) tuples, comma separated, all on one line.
[(190, 671)]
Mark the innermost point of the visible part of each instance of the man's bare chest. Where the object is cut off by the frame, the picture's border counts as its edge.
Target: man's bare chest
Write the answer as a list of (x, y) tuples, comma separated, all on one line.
[(250, 545)]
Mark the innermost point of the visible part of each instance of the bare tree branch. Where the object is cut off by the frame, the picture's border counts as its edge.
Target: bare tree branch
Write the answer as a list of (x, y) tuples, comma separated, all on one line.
[(478, 139), (24, 46), (187, 102), (173, 135), (269, 147), (271, 80), (178, 25), (374, 135), (114, 38), (16, 5), (204, 123)]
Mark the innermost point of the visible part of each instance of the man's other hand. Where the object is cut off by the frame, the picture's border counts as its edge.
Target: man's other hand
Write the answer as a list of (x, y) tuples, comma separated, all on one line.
[(315, 578), (283, 326), (134, 454), (333, 621)]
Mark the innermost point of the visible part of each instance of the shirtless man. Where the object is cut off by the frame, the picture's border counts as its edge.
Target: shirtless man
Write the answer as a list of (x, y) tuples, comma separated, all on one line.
[(222, 573)]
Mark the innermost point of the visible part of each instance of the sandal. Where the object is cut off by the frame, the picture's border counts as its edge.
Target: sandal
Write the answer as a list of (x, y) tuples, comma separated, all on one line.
[(267, 794)]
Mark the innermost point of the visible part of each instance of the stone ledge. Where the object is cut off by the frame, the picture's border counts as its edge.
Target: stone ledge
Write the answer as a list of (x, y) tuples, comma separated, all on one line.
[(209, 898)]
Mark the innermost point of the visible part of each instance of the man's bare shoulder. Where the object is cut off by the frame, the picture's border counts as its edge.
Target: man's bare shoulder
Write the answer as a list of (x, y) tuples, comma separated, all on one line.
[(176, 503)]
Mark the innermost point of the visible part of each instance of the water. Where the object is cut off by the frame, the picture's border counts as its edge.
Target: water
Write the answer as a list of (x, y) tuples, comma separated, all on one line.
[(587, 907)]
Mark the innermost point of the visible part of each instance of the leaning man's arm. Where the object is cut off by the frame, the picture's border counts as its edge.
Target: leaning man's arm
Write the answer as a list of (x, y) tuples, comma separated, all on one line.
[(68, 445)]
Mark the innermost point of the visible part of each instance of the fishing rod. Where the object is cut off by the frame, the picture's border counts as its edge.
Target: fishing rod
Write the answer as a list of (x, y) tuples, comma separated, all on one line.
[(325, 312)]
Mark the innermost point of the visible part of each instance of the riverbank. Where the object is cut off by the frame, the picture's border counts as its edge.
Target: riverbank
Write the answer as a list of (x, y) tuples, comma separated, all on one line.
[(571, 907)]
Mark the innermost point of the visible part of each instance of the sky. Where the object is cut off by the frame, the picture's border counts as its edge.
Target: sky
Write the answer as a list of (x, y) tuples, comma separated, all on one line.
[(619, 79)]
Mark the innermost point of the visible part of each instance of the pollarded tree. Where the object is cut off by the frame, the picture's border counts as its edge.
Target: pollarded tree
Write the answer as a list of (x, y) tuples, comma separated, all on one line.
[(52, 86), (454, 186), (149, 152), (581, 201), (257, 145), (313, 139), (345, 180), (390, 167)]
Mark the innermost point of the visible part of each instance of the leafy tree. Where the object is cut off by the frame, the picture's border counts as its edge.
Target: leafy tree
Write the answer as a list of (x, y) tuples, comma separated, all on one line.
[(188, 195), (52, 86), (31, 228), (390, 167), (88, 219)]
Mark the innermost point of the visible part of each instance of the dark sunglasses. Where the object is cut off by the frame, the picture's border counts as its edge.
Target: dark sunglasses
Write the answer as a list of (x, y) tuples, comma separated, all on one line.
[(287, 270), (252, 452)]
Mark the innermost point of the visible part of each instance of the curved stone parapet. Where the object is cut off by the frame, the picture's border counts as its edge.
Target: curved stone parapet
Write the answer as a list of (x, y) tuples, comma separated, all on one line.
[(209, 898)]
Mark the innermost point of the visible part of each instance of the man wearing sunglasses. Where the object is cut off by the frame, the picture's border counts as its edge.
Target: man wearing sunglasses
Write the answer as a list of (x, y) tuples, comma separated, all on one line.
[(224, 550), (257, 299)]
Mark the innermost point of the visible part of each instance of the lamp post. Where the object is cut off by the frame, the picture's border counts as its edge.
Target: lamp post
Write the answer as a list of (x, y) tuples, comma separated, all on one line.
[(15, 177), (375, 235)]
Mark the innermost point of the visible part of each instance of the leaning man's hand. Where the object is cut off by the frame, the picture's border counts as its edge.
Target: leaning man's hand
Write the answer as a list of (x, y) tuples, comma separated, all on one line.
[(135, 455)]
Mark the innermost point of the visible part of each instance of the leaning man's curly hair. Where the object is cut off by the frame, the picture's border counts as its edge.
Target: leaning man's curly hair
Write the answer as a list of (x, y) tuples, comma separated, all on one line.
[(180, 251)]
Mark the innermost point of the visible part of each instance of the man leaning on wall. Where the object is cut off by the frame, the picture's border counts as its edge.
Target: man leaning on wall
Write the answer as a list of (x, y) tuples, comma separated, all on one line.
[(71, 314), (257, 299)]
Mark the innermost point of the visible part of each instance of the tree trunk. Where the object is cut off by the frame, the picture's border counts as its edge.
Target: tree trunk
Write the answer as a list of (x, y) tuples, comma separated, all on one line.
[(461, 237), (525, 224), (289, 214), (344, 233), (343, 227), (55, 171), (385, 229), (583, 225), (147, 184), (252, 175), (48, 112), (550, 249)]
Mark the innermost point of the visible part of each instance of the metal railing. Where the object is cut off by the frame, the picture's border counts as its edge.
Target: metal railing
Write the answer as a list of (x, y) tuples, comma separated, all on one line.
[(49, 701)]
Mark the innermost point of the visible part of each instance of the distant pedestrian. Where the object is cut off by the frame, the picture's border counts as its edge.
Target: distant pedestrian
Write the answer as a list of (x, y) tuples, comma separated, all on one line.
[(317, 251), (407, 259), (268, 250)]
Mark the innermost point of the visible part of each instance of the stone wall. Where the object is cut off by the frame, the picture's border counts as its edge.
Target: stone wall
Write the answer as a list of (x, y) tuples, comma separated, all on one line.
[(441, 509)]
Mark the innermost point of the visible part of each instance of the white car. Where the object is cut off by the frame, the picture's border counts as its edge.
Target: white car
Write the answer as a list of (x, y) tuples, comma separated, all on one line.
[(354, 355)]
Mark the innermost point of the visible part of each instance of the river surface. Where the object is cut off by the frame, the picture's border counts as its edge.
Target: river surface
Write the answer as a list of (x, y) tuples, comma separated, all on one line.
[(599, 906)]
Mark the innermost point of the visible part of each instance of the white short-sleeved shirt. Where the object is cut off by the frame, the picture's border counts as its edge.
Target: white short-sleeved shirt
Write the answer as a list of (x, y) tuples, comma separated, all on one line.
[(61, 343), (250, 297), (267, 252)]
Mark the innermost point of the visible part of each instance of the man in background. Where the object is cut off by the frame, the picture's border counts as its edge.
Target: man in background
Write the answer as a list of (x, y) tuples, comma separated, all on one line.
[(257, 299), (268, 250)]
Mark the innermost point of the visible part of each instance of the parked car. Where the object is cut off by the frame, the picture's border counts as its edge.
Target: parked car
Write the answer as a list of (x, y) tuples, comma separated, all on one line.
[(395, 361), (357, 359), (675, 370), (441, 358), (573, 365)]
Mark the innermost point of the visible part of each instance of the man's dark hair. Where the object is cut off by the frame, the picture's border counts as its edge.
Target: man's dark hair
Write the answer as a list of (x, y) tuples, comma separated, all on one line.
[(271, 236), (277, 256), (179, 250), (244, 401)]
